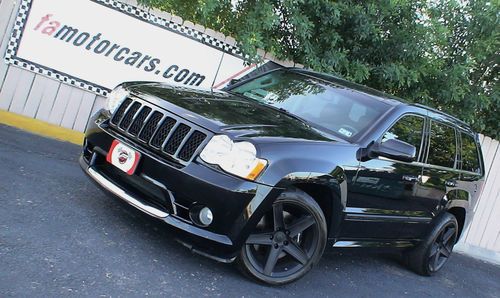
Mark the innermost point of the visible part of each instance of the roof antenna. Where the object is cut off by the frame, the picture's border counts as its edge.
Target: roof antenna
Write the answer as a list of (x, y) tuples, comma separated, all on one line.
[(217, 73)]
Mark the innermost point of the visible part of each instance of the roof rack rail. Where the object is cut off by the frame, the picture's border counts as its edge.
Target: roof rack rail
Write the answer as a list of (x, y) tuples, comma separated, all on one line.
[(441, 113)]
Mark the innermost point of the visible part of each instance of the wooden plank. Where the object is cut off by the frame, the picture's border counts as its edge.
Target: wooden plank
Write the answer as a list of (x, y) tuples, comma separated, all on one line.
[(490, 229), (23, 89), (490, 237), (62, 98), (489, 155), (51, 88), (9, 87), (35, 96), (6, 9), (8, 12), (74, 101), (99, 103), (486, 148), (84, 112)]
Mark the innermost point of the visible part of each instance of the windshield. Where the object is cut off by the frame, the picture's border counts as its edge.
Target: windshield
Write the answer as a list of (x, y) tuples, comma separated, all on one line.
[(343, 111)]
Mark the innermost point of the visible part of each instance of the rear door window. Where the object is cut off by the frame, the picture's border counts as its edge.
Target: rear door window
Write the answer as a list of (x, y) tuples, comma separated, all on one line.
[(470, 155), (443, 145)]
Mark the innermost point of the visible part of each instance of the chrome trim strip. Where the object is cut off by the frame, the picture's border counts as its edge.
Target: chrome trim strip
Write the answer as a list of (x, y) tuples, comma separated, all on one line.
[(170, 133), (369, 214), (387, 218), (168, 218), (144, 122), (376, 244), (184, 141), (160, 185), (124, 196)]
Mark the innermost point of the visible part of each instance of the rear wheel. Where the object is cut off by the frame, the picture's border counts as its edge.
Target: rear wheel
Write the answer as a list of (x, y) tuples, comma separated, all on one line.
[(287, 241), (431, 255)]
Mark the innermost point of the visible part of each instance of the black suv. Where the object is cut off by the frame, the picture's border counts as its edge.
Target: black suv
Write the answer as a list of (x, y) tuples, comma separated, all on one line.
[(275, 168)]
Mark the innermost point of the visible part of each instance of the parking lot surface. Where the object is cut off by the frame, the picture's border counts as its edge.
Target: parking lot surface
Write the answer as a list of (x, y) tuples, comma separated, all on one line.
[(60, 235)]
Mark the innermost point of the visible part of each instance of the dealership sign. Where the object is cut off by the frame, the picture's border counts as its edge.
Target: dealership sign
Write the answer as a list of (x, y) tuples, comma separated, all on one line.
[(97, 44)]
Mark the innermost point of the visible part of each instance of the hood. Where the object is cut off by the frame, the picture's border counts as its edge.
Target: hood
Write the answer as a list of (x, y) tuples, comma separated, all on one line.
[(223, 112)]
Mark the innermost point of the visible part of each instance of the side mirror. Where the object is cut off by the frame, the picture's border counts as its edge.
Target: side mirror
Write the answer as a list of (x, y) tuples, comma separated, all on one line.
[(394, 149)]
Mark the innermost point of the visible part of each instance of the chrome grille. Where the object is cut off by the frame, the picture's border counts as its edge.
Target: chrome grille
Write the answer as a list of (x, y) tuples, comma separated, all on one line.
[(176, 139), (121, 111), (139, 121), (159, 130), (129, 116), (163, 132), (191, 145), (149, 129)]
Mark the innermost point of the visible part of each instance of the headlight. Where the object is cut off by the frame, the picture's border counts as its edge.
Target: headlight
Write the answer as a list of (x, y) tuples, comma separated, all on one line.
[(115, 99), (239, 158)]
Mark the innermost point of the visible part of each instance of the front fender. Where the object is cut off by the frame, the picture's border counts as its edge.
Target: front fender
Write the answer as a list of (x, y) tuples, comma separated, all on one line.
[(327, 165), (333, 183)]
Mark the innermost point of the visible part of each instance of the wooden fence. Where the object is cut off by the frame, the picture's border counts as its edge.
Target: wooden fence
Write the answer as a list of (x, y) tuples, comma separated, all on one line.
[(482, 236)]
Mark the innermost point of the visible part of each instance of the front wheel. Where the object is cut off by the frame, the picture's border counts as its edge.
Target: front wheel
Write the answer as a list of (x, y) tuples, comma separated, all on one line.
[(287, 242)]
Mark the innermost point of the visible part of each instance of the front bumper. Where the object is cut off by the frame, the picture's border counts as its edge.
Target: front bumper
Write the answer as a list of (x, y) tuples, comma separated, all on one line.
[(166, 192)]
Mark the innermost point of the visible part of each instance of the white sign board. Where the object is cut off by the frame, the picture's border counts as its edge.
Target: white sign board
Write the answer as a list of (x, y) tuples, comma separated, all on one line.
[(97, 44)]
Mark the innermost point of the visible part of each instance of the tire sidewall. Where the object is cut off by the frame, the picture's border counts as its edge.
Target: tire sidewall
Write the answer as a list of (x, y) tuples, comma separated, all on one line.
[(303, 200), (418, 258)]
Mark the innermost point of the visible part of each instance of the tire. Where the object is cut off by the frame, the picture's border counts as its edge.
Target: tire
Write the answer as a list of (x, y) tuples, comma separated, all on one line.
[(434, 251), (282, 249)]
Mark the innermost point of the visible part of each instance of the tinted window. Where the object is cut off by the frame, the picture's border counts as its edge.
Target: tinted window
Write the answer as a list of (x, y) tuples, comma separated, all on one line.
[(345, 112), (442, 149), (408, 129), (470, 156)]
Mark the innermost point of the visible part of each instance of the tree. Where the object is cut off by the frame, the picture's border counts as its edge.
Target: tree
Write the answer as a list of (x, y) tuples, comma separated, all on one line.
[(442, 53)]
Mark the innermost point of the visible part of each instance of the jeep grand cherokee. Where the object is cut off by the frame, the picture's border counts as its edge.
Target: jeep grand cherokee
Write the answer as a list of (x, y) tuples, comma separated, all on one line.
[(275, 168)]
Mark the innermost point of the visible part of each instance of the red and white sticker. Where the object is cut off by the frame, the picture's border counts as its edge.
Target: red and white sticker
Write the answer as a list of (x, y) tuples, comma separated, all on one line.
[(123, 157)]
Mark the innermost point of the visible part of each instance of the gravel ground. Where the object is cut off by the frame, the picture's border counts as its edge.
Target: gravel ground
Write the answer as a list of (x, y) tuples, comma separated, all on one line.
[(60, 235)]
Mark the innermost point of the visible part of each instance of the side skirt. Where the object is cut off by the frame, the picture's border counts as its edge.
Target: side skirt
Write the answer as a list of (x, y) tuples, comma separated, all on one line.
[(376, 244)]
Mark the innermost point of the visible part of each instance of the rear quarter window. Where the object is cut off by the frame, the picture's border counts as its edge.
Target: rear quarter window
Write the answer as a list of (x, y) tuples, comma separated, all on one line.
[(470, 154)]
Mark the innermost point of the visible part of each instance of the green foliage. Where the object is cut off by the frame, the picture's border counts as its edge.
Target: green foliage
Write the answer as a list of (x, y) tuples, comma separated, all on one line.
[(442, 53)]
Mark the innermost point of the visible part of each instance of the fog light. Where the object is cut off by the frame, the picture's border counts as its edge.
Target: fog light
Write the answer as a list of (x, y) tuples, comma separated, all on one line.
[(201, 215), (205, 216)]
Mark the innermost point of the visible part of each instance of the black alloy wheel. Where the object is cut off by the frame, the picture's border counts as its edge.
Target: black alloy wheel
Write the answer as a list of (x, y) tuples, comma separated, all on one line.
[(435, 250), (442, 247), (287, 242)]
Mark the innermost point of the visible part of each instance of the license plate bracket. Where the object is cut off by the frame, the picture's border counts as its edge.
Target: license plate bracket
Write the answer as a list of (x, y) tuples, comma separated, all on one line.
[(123, 157)]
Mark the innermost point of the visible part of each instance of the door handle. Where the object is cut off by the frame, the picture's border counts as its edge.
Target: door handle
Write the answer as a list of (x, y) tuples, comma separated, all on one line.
[(451, 183), (410, 178)]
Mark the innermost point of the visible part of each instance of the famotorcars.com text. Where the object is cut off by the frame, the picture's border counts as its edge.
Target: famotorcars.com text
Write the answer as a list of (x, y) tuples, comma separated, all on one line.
[(101, 46)]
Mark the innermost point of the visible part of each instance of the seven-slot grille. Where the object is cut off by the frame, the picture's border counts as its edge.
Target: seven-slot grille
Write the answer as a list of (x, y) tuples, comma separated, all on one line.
[(160, 130)]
